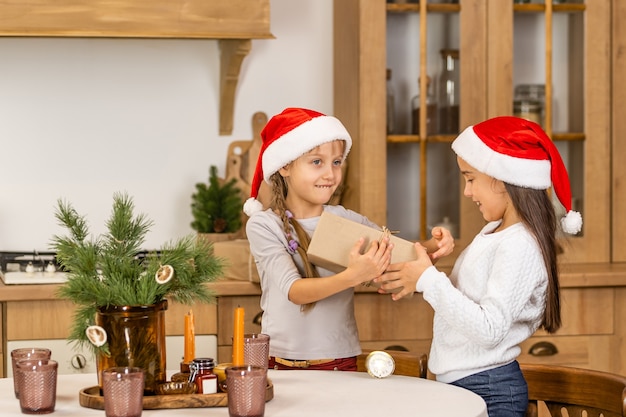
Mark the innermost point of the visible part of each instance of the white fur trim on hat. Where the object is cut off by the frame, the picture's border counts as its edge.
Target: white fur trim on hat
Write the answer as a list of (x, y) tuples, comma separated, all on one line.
[(252, 205), (529, 173), (572, 223), (302, 139)]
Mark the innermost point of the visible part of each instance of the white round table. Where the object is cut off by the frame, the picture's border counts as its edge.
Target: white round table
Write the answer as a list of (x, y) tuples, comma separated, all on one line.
[(301, 394)]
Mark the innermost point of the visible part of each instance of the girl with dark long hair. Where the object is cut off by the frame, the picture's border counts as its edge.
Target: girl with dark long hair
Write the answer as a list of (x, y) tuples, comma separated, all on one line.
[(505, 284)]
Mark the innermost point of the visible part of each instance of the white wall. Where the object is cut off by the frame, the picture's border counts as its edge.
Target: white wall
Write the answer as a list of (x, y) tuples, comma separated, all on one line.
[(83, 118)]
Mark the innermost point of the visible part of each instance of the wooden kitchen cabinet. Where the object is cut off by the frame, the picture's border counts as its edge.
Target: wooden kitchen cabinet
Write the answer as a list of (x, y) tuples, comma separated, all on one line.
[(38, 320), (594, 310), (570, 41), (577, 51), (618, 128), (52, 319), (591, 335), (381, 321), (584, 340)]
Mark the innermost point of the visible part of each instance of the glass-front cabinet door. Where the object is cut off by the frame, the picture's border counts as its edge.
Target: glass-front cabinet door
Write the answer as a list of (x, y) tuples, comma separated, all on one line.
[(560, 70), (425, 62), (409, 76)]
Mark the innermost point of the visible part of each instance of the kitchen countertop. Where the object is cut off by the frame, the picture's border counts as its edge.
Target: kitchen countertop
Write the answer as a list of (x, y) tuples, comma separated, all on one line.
[(48, 291), (572, 276)]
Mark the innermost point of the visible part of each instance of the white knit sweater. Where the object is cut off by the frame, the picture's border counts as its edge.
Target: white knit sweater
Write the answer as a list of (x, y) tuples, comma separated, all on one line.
[(493, 300)]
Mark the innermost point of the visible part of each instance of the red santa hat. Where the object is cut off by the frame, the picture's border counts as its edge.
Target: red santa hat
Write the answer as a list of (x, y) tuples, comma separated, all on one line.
[(286, 137), (519, 152)]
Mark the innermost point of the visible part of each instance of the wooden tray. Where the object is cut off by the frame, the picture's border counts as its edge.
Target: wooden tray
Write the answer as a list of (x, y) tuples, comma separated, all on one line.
[(91, 398)]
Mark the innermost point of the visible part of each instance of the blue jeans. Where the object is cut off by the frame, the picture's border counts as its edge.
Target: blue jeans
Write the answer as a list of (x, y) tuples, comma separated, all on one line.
[(504, 389)]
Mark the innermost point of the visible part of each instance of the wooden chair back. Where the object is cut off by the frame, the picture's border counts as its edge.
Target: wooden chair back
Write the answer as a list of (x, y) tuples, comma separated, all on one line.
[(407, 363), (575, 390)]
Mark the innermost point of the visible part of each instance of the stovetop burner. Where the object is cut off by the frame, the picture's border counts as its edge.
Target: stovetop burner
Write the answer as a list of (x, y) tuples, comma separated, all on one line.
[(39, 267), (30, 268), (34, 261)]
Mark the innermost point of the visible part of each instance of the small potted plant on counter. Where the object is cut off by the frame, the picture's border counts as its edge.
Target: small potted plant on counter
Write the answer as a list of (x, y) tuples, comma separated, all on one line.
[(216, 207)]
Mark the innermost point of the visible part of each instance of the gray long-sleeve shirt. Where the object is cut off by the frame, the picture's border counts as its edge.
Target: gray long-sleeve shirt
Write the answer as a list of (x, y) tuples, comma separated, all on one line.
[(328, 330)]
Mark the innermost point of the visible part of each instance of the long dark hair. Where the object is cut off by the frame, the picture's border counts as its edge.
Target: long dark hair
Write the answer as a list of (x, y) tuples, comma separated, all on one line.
[(536, 212)]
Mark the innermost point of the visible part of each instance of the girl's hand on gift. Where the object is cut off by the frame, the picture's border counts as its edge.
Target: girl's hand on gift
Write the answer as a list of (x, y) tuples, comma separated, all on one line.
[(371, 264), (441, 244), (404, 275)]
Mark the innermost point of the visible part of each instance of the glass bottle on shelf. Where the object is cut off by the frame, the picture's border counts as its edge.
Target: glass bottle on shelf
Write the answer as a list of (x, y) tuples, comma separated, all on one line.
[(431, 111), (448, 92), (528, 103), (391, 105)]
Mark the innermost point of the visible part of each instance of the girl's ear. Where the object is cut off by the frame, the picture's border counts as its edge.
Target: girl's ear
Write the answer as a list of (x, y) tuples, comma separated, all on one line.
[(284, 171)]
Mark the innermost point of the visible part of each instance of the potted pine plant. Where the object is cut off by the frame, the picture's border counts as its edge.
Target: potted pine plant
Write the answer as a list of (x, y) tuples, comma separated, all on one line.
[(216, 208), (120, 298)]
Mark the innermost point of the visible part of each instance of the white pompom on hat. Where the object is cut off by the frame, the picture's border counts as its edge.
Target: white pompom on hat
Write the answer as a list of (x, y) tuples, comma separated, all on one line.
[(518, 152), (286, 137)]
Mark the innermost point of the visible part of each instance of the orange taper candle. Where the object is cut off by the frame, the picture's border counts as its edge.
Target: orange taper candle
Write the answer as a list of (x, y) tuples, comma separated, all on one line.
[(238, 337), (190, 338)]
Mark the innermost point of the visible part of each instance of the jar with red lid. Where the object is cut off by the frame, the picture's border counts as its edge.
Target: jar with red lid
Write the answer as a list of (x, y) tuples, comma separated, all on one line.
[(203, 376)]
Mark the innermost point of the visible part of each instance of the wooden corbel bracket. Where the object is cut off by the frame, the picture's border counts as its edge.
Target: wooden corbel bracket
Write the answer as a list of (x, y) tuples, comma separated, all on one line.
[(232, 54)]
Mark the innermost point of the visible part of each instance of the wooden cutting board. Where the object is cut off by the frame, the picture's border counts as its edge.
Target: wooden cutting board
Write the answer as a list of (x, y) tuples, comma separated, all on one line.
[(243, 156)]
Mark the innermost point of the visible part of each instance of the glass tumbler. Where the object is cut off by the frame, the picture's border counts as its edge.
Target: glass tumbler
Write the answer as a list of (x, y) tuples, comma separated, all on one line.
[(37, 382), (256, 349), (246, 386), (122, 388), (26, 353)]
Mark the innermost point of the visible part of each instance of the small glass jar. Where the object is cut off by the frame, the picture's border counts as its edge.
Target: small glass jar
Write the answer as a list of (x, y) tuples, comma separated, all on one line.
[(203, 376), (529, 102), (529, 110)]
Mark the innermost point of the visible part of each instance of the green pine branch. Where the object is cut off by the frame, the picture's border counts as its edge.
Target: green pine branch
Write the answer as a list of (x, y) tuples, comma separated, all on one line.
[(105, 270)]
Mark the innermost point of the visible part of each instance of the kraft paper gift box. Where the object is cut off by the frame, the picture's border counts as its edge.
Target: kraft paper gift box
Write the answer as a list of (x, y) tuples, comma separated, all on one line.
[(240, 263), (335, 236)]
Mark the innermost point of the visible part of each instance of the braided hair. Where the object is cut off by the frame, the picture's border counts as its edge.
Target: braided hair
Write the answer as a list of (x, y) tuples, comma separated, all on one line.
[(279, 189)]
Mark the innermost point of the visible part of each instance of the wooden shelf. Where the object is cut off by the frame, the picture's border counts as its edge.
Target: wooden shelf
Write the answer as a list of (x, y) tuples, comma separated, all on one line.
[(415, 139), (233, 23), (541, 8), (557, 137), (415, 8)]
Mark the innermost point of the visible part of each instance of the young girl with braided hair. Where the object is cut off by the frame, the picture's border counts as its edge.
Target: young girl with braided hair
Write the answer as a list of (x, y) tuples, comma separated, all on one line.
[(308, 311), (505, 284)]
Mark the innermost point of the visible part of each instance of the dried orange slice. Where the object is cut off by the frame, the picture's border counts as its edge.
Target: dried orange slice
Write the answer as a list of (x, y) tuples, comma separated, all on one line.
[(164, 274), (96, 335)]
